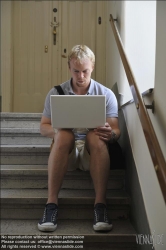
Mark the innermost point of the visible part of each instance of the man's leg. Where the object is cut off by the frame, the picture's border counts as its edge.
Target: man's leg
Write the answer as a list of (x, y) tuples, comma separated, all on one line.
[(99, 165), (58, 162), (99, 169), (57, 167)]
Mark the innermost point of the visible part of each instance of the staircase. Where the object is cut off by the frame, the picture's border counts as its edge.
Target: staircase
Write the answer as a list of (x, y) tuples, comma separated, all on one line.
[(24, 156)]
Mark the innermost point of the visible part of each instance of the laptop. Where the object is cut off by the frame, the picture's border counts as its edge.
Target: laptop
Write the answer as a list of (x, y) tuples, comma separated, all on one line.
[(78, 111)]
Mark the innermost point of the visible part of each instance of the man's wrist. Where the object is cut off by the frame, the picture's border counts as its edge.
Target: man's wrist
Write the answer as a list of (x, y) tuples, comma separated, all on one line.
[(114, 137)]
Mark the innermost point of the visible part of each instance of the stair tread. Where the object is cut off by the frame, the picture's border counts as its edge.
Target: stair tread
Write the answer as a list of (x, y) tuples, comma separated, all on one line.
[(44, 166), (20, 146), (121, 228), (9, 131), (64, 193), (23, 167), (14, 115), (42, 170)]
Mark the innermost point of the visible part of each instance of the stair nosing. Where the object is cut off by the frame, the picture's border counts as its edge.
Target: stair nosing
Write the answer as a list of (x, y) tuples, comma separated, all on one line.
[(65, 195)]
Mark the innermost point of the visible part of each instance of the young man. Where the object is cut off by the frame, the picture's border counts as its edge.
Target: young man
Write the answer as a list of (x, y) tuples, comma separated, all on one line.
[(92, 145)]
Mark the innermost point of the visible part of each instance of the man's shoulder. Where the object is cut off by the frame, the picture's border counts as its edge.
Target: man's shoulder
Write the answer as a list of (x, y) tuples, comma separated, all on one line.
[(65, 85), (100, 89), (52, 91)]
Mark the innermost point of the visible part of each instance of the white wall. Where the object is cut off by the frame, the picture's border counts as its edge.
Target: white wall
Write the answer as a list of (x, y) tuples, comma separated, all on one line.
[(137, 27), (159, 118), (140, 42), (156, 75)]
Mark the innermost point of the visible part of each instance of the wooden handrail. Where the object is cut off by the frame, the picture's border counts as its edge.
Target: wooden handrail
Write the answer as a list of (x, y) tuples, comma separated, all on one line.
[(150, 136)]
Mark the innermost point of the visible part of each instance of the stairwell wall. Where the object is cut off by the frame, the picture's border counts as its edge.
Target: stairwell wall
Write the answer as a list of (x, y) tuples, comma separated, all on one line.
[(149, 186)]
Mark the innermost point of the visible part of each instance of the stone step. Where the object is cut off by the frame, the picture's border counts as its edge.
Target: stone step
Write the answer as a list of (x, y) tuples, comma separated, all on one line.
[(73, 204), (36, 176), (20, 120), (23, 136), (24, 154), (122, 236)]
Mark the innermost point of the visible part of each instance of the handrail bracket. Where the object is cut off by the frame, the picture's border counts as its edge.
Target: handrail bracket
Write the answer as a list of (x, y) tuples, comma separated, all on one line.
[(151, 107)]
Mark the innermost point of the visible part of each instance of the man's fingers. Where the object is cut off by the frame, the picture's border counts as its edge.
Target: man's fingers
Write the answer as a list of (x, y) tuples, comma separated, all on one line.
[(107, 124), (103, 135), (106, 129), (103, 138)]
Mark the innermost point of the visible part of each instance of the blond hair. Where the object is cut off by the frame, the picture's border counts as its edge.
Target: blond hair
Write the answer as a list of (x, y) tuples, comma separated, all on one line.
[(81, 52)]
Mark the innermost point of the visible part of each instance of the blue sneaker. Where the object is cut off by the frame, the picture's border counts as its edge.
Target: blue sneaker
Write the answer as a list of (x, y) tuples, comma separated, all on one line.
[(101, 220), (49, 220)]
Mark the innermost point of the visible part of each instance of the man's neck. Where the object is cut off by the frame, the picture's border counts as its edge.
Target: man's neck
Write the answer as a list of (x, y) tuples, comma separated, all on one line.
[(80, 90)]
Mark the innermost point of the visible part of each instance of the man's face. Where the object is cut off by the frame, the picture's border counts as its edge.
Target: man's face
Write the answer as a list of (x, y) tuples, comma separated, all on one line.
[(81, 72)]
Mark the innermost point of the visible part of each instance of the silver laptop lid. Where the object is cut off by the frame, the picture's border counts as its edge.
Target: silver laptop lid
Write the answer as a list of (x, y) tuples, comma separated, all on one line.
[(78, 111)]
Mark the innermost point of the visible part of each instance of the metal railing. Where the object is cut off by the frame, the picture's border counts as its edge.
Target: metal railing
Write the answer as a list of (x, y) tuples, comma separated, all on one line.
[(150, 136)]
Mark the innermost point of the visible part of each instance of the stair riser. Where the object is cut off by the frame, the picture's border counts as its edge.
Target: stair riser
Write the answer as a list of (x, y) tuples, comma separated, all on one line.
[(21, 183), (18, 120), (67, 212), (20, 124), (24, 159), (26, 155), (24, 139)]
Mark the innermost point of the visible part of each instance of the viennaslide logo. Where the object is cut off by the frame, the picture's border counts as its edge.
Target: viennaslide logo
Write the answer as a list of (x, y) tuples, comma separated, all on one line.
[(153, 239)]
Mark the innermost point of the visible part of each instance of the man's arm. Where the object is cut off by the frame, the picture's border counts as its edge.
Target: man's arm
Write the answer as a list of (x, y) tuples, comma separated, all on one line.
[(110, 132), (45, 127)]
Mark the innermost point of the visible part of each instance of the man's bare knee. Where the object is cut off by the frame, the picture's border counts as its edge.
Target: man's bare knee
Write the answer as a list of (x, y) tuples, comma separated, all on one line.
[(64, 140), (94, 142)]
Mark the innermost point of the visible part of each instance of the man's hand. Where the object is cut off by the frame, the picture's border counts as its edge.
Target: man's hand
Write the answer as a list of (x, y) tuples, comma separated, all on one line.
[(106, 133)]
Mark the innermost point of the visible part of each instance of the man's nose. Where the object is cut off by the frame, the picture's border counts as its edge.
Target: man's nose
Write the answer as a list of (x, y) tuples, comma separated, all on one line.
[(81, 74)]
